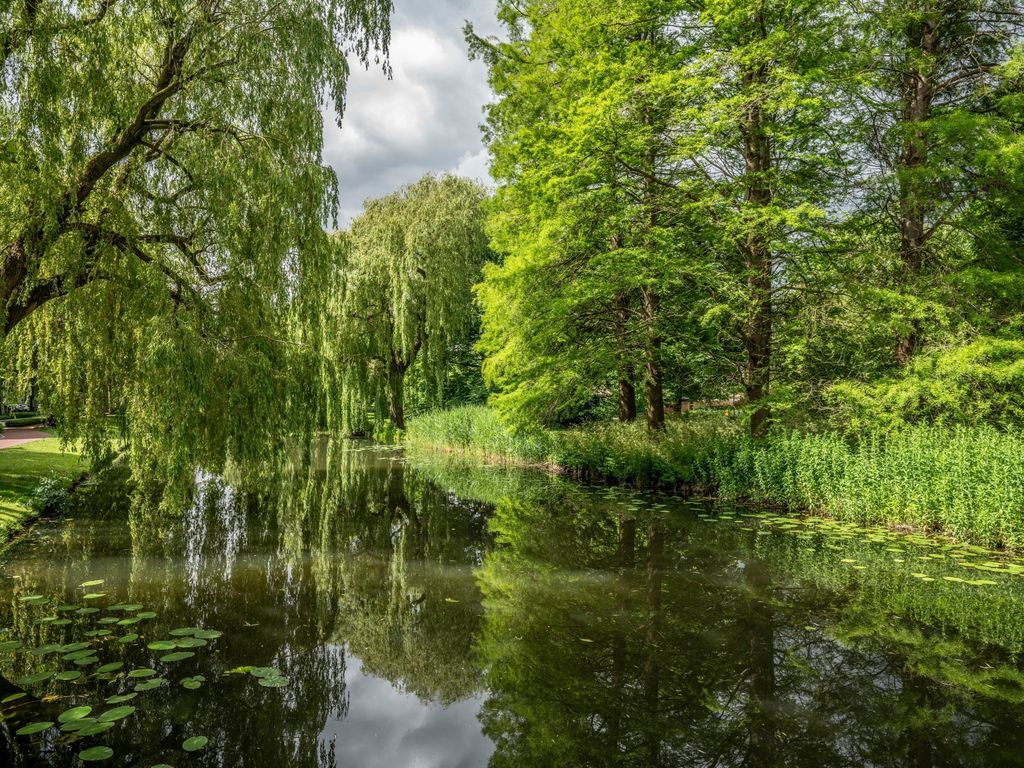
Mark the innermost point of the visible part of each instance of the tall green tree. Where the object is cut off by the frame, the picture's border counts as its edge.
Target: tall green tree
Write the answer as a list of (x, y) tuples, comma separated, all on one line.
[(681, 159), (405, 294), (585, 92), (163, 196)]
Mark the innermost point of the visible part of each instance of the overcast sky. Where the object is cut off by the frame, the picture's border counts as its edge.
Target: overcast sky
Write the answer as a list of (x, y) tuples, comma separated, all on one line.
[(426, 118)]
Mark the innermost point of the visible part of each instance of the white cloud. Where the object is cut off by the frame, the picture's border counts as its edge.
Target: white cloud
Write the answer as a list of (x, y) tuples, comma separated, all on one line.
[(426, 118)]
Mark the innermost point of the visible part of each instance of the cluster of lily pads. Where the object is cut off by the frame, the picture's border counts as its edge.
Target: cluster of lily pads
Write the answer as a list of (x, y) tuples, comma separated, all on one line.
[(83, 663), (908, 549)]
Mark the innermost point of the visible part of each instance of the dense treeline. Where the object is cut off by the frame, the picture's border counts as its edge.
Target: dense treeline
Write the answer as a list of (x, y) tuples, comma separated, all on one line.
[(811, 205)]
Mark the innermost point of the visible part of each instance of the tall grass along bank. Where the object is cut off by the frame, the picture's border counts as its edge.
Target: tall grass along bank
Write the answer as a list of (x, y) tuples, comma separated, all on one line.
[(964, 482)]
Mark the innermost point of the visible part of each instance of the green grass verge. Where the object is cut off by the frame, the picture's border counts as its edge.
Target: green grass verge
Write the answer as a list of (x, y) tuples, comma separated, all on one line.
[(965, 482), (21, 470)]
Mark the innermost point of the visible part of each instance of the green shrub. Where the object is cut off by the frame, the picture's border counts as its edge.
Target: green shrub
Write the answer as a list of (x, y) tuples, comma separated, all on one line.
[(50, 497), (15, 415), (29, 421)]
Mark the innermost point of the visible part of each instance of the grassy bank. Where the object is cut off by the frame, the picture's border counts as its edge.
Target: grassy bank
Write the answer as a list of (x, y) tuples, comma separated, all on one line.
[(968, 483), (21, 471)]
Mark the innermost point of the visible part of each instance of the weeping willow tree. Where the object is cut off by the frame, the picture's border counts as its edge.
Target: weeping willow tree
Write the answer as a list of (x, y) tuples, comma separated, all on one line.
[(162, 201), (410, 263)]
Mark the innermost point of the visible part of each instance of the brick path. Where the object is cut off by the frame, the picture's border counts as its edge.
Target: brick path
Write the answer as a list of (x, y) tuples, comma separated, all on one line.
[(15, 436)]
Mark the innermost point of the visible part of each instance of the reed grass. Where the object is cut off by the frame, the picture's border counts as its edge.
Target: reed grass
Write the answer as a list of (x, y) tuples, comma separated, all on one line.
[(964, 482)]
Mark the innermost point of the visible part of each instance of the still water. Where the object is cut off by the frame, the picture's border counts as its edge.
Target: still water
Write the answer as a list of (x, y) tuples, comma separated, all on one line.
[(372, 610)]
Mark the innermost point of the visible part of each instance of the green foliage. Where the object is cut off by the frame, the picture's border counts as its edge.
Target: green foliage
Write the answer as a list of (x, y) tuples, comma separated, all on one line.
[(22, 469), (964, 482), (28, 421), (404, 294), (729, 198), (50, 496), (162, 252)]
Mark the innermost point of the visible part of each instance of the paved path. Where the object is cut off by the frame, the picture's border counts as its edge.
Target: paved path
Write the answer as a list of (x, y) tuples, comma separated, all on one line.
[(15, 436)]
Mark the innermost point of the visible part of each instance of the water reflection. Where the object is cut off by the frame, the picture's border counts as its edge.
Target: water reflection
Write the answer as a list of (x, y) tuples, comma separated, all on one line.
[(427, 614)]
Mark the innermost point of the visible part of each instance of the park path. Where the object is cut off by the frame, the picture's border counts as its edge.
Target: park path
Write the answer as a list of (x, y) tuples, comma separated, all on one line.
[(11, 438)]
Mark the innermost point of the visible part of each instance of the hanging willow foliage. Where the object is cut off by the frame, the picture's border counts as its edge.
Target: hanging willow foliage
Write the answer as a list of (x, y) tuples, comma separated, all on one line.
[(162, 200), (410, 263)]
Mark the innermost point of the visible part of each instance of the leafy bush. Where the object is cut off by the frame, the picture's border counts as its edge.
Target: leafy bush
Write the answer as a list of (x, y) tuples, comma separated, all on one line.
[(14, 415), (25, 422), (50, 497)]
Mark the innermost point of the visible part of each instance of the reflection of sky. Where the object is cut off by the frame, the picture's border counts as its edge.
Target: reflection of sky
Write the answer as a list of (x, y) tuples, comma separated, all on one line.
[(388, 729)]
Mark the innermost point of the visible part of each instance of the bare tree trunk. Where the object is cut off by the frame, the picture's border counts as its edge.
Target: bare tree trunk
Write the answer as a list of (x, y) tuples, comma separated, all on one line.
[(918, 94), (757, 153)]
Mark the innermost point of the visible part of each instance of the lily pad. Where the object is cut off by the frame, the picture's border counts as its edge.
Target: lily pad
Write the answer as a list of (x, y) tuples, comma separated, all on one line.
[(76, 713), (195, 743), (115, 714), (37, 677), (184, 631), (9, 645), (144, 672), (68, 676), (43, 650), (95, 754), (149, 685), (129, 638), (265, 672), (274, 682), (13, 697), (122, 698), (178, 656), (94, 729), (161, 645), (93, 583), (113, 666), (33, 728)]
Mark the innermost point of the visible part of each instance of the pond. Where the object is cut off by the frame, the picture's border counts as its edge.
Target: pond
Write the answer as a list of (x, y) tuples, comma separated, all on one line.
[(371, 610)]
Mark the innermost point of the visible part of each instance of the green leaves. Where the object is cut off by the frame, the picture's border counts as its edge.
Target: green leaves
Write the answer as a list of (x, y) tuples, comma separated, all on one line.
[(33, 728), (177, 656), (194, 743), (115, 714), (95, 754), (77, 713)]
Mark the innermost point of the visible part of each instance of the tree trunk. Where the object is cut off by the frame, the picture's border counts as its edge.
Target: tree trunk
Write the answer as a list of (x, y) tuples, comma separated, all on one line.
[(757, 253), (627, 391), (918, 95), (396, 394), (653, 383)]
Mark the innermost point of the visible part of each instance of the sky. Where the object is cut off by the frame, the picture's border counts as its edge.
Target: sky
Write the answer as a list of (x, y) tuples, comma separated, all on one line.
[(426, 118)]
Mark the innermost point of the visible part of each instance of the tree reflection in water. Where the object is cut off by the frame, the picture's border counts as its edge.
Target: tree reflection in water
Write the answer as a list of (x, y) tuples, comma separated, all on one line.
[(433, 614)]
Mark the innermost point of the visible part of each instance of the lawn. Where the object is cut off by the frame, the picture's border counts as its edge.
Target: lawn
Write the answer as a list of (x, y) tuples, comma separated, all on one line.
[(21, 469)]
